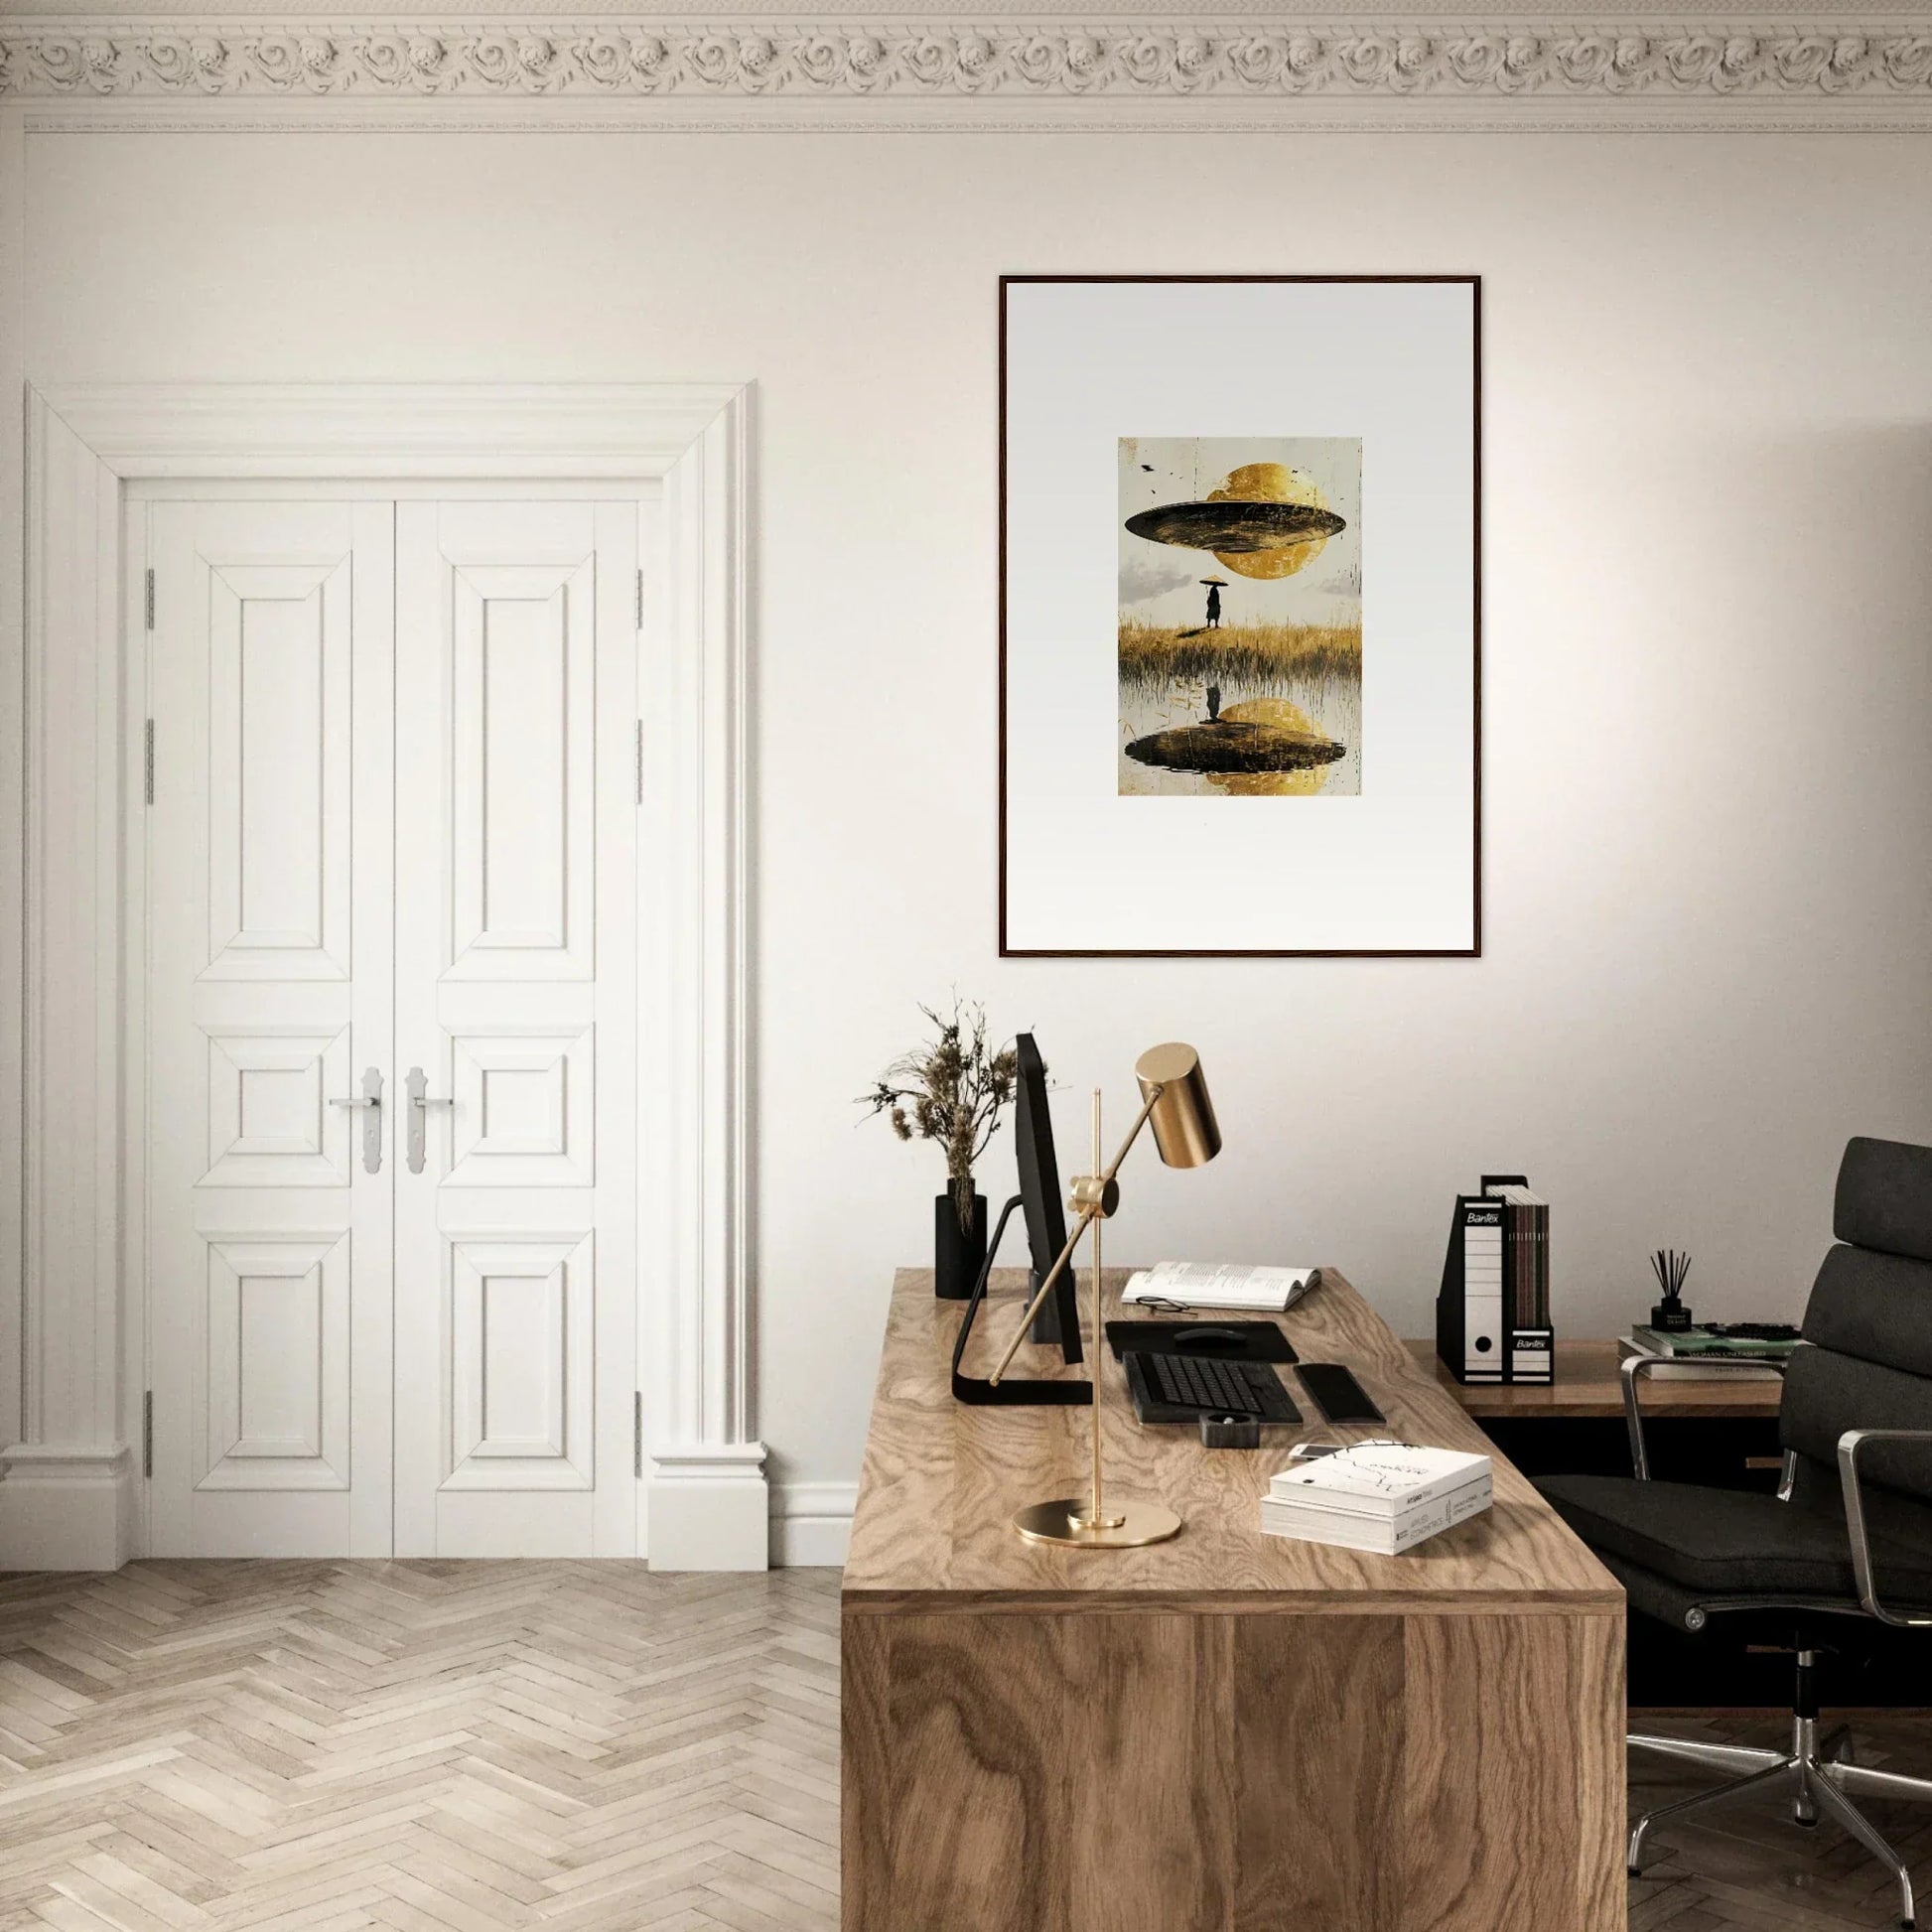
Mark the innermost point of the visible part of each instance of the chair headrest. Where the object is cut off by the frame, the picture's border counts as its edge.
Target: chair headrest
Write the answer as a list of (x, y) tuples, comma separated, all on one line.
[(1885, 1198)]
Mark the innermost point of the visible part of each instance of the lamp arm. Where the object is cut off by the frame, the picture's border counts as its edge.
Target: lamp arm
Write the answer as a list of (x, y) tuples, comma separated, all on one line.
[(1088, 1215), (1133, 1133)]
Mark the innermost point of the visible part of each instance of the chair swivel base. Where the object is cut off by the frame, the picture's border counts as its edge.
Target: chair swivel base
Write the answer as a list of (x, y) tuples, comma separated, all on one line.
[(1820, 1775)]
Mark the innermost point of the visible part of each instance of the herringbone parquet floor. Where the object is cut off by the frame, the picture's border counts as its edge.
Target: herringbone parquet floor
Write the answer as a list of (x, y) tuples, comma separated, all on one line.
[(587, 1747), (424, 1747)]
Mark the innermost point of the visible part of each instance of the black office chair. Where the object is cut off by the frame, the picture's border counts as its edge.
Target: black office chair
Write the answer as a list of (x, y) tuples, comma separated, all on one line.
[(1847, 1539)]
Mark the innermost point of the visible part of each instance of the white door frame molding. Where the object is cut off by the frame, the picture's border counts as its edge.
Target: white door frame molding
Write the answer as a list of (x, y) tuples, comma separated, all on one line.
[(69, 1490)]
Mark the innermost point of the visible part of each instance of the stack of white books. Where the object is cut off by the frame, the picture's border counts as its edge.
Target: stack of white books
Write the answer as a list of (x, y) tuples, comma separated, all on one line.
[(1213, 1285), (1380, 1496)]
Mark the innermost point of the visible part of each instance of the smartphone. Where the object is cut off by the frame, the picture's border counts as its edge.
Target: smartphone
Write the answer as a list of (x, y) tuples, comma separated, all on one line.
[(1336, 1393)]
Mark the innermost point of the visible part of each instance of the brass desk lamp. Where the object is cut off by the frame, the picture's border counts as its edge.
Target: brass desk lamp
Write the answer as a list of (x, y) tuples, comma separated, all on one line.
[(1174, 1098)]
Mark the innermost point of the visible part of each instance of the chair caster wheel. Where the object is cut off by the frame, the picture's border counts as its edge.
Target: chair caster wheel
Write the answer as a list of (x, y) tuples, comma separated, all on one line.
[(1634, 1872), (1809, 1824)]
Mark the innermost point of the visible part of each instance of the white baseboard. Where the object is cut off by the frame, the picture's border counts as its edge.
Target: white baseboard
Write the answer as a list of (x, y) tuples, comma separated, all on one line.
[(73, 1509), (65, 1508), (710, 1508), (811, 1524)]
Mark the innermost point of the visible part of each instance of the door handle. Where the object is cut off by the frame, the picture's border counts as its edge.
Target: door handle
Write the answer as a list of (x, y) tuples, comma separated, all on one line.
[(370, 1098), (420, 1102)]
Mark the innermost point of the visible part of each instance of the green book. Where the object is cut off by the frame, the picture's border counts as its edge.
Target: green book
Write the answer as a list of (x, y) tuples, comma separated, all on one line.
[(1700, 1341)]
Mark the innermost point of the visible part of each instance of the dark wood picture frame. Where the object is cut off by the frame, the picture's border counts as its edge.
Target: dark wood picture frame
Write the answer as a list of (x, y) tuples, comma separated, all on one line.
[(1474, 949)]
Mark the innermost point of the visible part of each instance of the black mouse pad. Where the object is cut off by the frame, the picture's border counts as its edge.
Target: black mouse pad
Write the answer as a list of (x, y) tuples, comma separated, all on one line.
[(1223, 1341)]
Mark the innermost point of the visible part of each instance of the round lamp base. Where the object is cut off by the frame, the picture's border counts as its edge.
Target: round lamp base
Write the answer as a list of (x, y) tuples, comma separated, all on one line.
[(1062, 1521)]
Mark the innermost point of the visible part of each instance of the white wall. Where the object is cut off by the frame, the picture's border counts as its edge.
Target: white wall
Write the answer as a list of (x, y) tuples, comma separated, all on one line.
[(1708, 793)]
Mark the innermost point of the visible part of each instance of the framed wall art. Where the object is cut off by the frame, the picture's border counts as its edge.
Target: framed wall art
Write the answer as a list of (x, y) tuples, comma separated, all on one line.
[(1240, 614)]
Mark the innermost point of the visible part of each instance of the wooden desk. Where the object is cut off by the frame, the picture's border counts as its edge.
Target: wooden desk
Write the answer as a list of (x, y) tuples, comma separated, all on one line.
[(1587, 1385), (1228, 1732)]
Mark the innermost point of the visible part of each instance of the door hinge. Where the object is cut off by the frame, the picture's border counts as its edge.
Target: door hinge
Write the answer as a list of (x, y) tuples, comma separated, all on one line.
[(147, 763), (640, 598), (637, 1434), (147, 1433), (640, 760), (150, 598)]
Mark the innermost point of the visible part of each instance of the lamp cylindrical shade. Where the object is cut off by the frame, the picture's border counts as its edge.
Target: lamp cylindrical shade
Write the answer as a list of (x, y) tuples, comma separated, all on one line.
[(1185, 1128)]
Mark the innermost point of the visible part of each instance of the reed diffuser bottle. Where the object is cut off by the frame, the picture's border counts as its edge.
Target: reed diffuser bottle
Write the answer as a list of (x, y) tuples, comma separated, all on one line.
[(1670, 1317)]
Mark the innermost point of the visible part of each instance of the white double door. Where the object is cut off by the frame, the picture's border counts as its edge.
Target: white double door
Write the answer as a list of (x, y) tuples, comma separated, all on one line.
[(390, 860)]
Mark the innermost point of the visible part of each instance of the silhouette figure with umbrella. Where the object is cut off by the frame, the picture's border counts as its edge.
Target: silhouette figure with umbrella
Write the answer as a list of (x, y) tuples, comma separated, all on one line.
[(1216, 585)]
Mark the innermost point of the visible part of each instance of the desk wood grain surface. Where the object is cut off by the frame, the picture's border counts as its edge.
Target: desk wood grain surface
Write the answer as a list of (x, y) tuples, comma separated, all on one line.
[(941, 1480)]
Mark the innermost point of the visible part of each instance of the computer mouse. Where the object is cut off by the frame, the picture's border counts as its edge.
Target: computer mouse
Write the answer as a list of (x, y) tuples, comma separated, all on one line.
[(1208, 1336)]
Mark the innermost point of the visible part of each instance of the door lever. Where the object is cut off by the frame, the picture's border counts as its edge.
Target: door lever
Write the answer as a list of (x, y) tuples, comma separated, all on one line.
[(420, 1102), (370, 1098)]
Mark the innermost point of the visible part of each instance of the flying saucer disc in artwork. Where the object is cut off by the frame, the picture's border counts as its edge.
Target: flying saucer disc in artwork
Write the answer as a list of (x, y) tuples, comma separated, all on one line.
[(1240, 528), (1231, 744)]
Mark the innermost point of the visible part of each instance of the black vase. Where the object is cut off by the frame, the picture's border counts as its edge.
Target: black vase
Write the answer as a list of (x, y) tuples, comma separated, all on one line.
[(958, 1256)]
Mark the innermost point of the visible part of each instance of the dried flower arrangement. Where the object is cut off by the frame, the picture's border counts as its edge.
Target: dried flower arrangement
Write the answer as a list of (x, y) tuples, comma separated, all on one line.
[(952, 1090)]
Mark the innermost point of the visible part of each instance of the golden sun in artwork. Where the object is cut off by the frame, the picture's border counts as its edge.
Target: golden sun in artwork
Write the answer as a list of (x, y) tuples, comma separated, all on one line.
[(1273, 483)]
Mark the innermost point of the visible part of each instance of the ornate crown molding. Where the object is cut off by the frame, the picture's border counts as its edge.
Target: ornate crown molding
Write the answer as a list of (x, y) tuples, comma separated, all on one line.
[(1886, 65)]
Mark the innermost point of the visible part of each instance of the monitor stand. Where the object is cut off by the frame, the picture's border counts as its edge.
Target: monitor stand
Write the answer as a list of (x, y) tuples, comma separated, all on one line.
[(1012, 1391)]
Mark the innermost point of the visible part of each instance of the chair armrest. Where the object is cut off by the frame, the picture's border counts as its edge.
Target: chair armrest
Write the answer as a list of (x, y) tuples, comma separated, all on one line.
[(1634, 1368), (1849, 1446)]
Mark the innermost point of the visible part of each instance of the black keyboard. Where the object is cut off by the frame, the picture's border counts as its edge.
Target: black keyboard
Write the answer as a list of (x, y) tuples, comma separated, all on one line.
[(1204, 1387)]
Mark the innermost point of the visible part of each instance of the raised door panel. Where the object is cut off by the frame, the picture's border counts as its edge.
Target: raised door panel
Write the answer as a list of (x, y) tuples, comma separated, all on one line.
[(270, 903), (271, 1121), (520, 1361), (524, 1111), (275, 1406), (521, 855), (278, 770), (516, 640)]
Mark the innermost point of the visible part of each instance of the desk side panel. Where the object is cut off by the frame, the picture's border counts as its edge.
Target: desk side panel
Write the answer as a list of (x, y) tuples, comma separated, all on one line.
[(1514, 1774), (1163, 1773), (955, 1776), (1154, 1793), (865, 1772), (1317, 1729)]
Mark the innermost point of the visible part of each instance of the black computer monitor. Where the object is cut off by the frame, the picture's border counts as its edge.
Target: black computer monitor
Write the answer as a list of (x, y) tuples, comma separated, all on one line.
[(1039, 1201), (1039, 1196)]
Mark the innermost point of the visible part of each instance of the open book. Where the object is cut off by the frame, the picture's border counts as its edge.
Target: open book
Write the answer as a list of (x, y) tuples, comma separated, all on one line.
[(1211, 1284)]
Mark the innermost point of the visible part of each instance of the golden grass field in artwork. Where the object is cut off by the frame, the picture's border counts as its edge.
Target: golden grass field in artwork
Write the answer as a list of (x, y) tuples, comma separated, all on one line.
[(1240, 655)]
